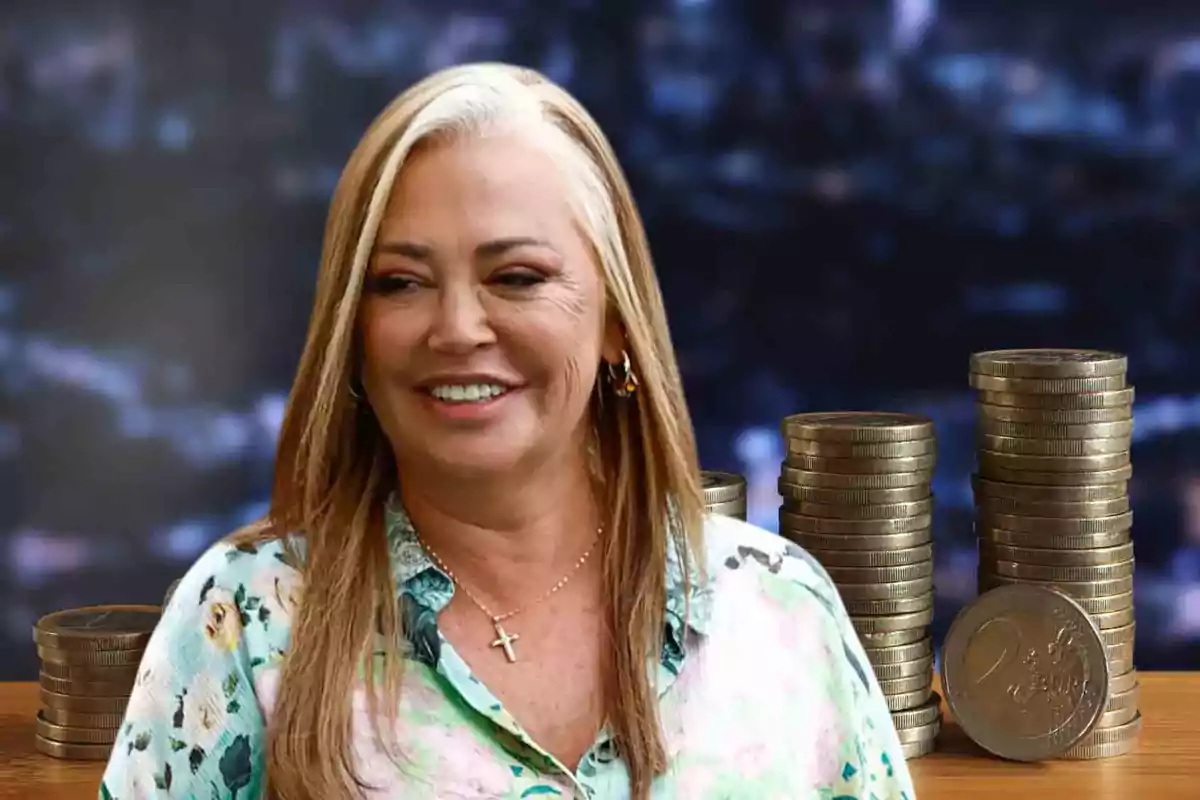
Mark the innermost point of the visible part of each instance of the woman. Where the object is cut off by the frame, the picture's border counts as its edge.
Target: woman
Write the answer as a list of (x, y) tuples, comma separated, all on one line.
[(487, 509)]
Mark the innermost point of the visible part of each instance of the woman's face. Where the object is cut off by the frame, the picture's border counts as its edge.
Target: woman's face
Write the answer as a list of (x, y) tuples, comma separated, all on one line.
[(483, 311)]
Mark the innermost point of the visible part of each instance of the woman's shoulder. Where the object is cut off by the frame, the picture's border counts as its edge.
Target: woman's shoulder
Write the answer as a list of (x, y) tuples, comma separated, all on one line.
[(750, 570), (240, 591), (732, 544)]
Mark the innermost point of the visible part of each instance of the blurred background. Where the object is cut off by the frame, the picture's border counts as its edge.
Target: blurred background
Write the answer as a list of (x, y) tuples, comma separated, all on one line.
[(845, 198)]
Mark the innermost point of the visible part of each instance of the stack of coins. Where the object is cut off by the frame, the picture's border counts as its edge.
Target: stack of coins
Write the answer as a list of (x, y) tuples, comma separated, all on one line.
[(89, 661), (724, 493), (856, 489), (1052, 502)]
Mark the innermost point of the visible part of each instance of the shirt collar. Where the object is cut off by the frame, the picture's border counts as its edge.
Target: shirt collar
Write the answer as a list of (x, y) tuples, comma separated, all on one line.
[(689, 603)]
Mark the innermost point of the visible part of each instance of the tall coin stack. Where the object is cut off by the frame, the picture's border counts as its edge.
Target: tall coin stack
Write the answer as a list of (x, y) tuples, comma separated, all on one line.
[(856, 489), (1052, 501), (89, 659), (724, 493)]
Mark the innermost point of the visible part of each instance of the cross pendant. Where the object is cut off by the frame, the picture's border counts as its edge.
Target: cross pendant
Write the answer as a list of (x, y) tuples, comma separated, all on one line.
[(504, 641)]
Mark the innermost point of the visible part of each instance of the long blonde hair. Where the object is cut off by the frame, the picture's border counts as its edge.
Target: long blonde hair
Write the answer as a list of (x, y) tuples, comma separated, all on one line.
[(334, 467)]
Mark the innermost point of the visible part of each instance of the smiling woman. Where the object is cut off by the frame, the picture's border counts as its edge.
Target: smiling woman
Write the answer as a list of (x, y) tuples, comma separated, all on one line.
[(485, 572)]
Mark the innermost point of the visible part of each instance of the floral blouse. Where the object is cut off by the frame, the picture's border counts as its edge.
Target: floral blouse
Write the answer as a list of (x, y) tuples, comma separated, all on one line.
[(764, 690)]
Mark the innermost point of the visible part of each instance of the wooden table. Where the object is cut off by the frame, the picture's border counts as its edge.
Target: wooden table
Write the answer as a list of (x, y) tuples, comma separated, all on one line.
[(1165, 766)]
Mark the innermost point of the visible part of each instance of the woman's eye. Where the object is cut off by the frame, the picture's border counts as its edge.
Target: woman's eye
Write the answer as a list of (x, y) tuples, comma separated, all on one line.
[(390, 284), (520, 278)]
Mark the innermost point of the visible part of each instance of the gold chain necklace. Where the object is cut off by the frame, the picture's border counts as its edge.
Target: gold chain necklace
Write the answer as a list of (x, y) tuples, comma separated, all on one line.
[(504, 640)]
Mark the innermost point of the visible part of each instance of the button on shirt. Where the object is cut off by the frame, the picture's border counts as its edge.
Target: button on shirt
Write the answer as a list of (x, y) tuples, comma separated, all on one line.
[(764, 689)]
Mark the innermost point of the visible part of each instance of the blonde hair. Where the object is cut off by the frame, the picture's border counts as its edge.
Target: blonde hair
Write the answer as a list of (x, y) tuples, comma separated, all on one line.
[(334, 467)]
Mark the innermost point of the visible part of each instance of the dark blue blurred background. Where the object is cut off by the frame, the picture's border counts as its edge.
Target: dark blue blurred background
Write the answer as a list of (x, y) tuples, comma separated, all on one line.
[(845, 199)]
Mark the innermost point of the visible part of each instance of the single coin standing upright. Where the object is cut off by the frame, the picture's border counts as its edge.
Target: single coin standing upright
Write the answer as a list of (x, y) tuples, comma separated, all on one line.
[(1052, 503), (856, 489), (1025, 672), (724, 493), (89, 659)]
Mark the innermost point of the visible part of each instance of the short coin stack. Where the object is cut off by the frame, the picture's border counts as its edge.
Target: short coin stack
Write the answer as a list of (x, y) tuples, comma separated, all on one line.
[(724, 493), (1052, 503), (856, 489), (89, 661)]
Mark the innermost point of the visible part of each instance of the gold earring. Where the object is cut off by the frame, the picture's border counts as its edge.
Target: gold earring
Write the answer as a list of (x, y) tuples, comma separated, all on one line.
[(624, 380)]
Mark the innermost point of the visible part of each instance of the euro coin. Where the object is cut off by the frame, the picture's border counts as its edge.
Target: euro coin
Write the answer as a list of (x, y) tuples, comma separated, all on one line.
[(913, 699), (1122, 635), (913, 683), (722, 487), (97, 628), (1057, 558), (921, 733), (1015, 644), (91, 658), (857, 426), (895, 605), (1076, 589), (1046, 541), (860, 466), (1024, 492), (72, 752), (1107, 742), (912, 508), (903, 652), (898, 590), (921, 556), (1053, 447), (1047, 386), (1049, 363), (68, 735), (879, 575), (1122, 682), (1041, 572), (912, 750), (864, 527), (1088, 477), (89, 673), (1033, 508), (1117, 398), (891, 638), (1106, 604), (990, 462), (854, 481), (921, 715), (86, 688), (1054, 416), (79, 719), (1118, 429), (853, 497), (734, 508), (895, 622), (814, 447), (1056, 525), (85, 705), (1114, 619), (877, 543), (905, 669)]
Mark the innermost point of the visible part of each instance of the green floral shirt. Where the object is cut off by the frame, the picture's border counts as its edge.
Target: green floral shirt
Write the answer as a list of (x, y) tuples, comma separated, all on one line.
[(764, 690)]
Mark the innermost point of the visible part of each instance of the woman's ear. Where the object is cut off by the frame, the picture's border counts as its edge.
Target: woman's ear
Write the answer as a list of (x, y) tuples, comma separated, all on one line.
[(614, 339)]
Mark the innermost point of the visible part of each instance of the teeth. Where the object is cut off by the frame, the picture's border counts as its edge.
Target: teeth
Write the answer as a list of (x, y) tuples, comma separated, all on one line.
[(469, 393)]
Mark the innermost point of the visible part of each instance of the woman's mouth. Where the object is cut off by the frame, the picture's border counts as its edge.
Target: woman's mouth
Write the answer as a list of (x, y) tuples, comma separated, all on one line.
[(459, 393)]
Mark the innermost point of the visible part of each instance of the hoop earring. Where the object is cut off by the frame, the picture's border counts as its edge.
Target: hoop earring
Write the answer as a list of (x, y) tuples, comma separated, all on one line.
[(623, 379), (354, 393)]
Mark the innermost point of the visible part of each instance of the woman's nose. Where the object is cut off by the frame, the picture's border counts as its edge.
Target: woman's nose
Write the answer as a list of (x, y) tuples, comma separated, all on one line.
[(461, 323)]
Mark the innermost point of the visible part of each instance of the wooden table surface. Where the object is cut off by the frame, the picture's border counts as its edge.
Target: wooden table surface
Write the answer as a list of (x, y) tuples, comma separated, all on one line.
[(1165, 766)]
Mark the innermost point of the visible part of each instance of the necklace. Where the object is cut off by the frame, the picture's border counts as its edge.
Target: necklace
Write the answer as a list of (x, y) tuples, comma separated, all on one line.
[(504, 640)]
